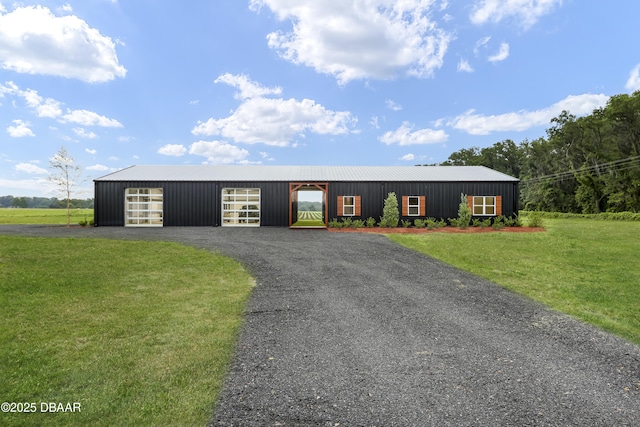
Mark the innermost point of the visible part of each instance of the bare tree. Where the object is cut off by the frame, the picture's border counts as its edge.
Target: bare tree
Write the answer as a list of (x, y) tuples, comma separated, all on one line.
[(65, 175)]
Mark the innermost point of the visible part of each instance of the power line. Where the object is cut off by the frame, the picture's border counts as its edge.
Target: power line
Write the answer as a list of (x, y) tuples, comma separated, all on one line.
[(613, 166)]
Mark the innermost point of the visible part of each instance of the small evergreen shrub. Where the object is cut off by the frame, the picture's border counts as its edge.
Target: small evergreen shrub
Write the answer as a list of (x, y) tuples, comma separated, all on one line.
[(406, 223), (390, 213), (347, 222), (420, 223), (370, 222), (335, 223), (357, 223), (499, 222), (534, 219), (431, 223), (464, 212)]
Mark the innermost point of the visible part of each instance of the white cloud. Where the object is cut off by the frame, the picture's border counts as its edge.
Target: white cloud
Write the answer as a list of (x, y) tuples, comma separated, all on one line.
[(90, 151), (81, 133), (352, 39), (479, 124), (633, 83), (408, 157), (463, 65), (98, 167), (89, 118), (218, 152), (391, 105), (405, 135), (66, 8), (526, 12), (274, 121), (374, 122), (248, 88), (35, 41), (21, 129), (31, 168), (502, 54), (175, 150), (51, 108)]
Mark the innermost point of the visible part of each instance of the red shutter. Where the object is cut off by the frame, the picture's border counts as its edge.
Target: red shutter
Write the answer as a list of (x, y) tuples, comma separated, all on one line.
[(423, 206), (470, 203), (340, 202), (498, 205), (405, 206), (357, 210)]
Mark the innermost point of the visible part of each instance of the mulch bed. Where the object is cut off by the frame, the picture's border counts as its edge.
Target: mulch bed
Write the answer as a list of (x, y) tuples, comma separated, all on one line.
[(413, 230)]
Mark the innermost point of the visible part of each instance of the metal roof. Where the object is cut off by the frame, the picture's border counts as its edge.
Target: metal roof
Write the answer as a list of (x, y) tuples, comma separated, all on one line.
[(306, 173)]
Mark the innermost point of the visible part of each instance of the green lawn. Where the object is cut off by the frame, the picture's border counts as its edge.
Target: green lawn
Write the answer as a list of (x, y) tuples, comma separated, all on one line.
[(43, 216), (138, 333), (586, 268)]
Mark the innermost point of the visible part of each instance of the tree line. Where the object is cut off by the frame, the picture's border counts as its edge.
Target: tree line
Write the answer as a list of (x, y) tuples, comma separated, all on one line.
[(589, 164), (43, 203)]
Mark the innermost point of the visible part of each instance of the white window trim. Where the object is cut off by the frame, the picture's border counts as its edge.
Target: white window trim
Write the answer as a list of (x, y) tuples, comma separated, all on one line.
[(240, 196), (484, 205), (415, 205), (345, 205), (134, 206)]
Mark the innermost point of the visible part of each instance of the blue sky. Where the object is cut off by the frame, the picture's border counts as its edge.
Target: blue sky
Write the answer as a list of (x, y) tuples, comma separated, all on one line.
[(307, 82)]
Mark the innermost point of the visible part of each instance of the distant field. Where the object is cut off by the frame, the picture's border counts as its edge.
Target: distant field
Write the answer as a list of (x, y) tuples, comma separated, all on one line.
[(43, 216), (309, 219), (586, 268)]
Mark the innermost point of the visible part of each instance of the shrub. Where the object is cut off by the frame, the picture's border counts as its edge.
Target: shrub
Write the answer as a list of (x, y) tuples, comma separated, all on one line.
[(499, 222), (335, 223), (346, 222), (357, 223), (420, 223), (370, 222), (91, 223), (431, 223), (83, 222), (464, 212), (390, 214), (534, 219), (476, 222), (406, 223)]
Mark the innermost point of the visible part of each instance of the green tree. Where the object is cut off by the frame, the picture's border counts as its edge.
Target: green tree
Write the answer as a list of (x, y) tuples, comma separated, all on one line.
[(19, 202), (390, 213)]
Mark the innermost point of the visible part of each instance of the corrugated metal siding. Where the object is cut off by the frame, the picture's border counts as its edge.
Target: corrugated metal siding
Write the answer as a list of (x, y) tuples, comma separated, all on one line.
[(442, 198), (198, 203)]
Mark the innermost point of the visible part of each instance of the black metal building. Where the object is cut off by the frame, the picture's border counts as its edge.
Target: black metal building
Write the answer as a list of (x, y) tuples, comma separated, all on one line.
[(205, 195)]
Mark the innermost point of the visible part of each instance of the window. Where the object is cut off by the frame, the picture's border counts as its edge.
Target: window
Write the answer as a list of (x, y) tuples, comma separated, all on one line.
[(143, 207), (414, 205), (349, 206), (484, 206), (241, 207)]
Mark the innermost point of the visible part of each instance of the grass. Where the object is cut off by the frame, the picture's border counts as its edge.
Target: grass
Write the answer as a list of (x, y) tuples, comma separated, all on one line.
[(43, 216), (586, 268), (139, 333)]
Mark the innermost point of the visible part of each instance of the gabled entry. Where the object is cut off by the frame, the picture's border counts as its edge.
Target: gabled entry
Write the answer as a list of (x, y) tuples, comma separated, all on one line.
[(295, 190)]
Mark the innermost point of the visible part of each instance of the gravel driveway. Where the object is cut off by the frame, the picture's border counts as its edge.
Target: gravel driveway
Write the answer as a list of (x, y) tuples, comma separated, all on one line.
[(350, 329)]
